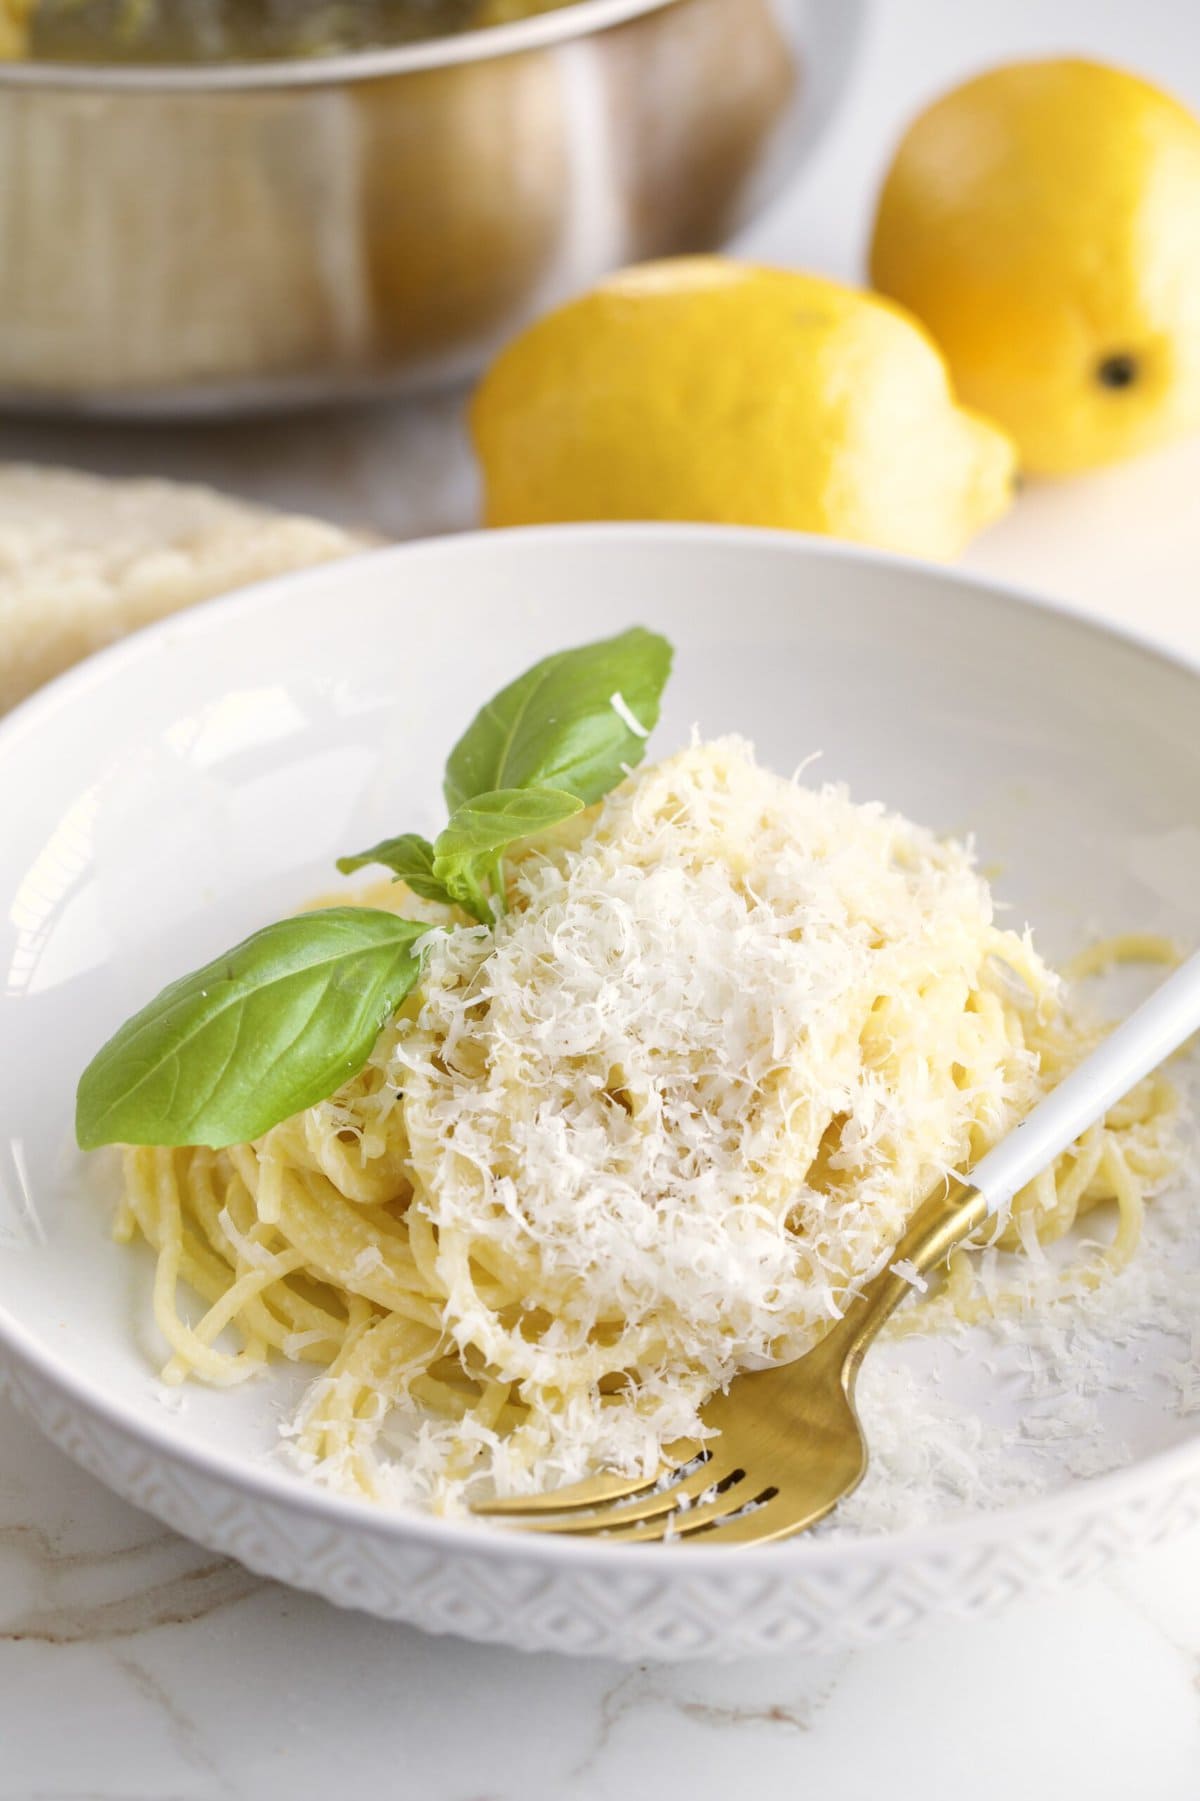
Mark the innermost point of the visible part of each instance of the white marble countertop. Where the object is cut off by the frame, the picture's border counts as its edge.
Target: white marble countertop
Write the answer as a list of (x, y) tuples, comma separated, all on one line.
[(134, 1666)]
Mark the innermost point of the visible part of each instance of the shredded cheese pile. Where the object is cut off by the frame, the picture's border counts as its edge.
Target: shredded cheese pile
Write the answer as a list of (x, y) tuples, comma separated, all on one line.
[(655, 1127)]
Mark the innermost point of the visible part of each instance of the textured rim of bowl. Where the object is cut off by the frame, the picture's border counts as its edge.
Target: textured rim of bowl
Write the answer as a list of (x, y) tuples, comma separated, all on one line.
[(1096, 1495), (576, 19)]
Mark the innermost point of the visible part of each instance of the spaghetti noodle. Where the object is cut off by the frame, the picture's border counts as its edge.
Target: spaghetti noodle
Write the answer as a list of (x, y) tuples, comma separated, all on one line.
[(654, 1127)]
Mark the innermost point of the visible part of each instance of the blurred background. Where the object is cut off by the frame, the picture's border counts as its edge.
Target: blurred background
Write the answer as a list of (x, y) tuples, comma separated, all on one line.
[(770, 119)]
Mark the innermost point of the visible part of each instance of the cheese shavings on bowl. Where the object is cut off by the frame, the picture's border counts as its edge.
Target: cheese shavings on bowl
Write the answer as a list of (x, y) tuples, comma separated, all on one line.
[(691, 1089), (655, 1125)]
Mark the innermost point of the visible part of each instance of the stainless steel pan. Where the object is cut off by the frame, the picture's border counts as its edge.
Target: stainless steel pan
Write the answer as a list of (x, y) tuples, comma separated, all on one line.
[(198, 240)]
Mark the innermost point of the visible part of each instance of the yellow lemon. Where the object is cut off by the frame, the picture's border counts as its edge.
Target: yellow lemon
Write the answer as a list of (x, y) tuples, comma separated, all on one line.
[(1044, 222), (14, 28), (706, 389)]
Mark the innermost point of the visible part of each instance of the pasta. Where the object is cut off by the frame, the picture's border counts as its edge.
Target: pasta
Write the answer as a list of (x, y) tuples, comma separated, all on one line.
[(654, 1127)]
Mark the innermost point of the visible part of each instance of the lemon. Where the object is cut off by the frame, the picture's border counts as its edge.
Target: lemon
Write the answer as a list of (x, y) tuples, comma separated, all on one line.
[(14, 28), (1043, 221), (702, 388)]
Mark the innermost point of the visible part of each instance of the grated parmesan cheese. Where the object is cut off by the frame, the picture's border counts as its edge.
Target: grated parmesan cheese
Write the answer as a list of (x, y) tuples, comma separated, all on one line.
[(626, 715), (658, 1126), (686, 1095)]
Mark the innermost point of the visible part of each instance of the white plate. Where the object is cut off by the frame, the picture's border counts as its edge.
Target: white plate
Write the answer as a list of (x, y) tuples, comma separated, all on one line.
[(201, 777)]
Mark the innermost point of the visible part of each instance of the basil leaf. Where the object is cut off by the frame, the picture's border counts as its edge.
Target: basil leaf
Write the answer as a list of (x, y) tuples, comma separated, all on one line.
[(466, 852), (491, 821), (410, 859), (556, 725), (273, 1027)]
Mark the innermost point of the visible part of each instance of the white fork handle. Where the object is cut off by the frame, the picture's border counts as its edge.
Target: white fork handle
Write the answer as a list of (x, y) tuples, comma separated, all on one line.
[(1160, 1025)]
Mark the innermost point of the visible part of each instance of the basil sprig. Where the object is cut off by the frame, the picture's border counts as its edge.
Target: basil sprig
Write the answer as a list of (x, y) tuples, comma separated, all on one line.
[(466, 852), (288, 1015), (572, 725)]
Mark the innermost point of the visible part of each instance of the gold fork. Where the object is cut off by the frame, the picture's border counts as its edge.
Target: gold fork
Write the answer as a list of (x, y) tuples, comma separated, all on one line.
[(788, 1444)]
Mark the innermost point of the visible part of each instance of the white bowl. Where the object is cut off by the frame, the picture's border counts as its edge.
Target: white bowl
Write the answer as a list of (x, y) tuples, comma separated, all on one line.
[(201, 777)]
